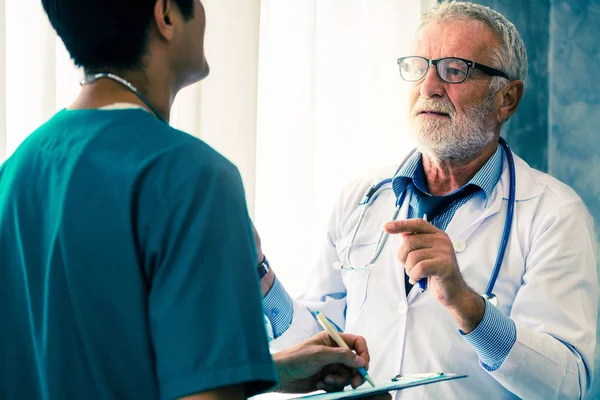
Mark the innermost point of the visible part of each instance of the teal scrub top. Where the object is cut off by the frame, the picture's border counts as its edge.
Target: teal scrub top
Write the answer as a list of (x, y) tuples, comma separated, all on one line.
[(127, 264)]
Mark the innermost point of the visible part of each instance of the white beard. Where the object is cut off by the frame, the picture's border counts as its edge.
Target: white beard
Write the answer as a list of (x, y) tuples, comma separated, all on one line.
[(452, 138)]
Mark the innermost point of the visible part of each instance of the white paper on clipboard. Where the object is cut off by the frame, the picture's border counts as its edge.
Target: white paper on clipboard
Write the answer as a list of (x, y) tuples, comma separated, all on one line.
[(401, 383)]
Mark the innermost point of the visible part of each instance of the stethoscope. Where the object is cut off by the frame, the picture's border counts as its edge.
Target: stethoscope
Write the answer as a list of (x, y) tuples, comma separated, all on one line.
[(370, 193), (94, 77)]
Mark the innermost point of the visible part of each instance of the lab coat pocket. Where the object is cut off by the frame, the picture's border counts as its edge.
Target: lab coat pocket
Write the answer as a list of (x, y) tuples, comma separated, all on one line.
[(356, 283)]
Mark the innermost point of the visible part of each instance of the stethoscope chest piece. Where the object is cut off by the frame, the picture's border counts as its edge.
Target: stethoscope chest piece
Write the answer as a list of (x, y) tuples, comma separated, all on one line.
[(341, 267)]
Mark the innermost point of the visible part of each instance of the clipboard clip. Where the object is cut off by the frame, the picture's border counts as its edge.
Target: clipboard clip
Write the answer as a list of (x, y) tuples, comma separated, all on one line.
[(417, 376)]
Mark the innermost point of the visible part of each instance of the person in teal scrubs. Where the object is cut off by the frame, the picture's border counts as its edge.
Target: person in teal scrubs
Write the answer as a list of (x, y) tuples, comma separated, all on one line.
[(127, 257)]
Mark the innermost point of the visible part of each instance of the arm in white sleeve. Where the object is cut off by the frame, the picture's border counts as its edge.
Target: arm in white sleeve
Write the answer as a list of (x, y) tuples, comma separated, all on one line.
[(555, 311)]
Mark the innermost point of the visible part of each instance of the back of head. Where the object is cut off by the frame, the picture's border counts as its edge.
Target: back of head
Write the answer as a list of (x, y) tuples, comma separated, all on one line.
[(106, 34), (510, 57)]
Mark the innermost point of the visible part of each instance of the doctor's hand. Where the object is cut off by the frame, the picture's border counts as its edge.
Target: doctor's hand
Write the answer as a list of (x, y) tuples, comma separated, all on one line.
[(318, 364), (428, 253)]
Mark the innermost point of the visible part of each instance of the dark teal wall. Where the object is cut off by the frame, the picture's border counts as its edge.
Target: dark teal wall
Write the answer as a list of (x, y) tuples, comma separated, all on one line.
[(557, 126), (574, 109), (527, 130), (574, 106)]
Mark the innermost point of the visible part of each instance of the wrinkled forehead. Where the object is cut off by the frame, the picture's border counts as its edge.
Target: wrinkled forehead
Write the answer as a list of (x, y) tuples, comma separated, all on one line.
[(469, 39)]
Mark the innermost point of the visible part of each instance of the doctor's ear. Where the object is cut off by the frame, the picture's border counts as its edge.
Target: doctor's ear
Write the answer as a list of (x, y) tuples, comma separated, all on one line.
[(164, 16), (510, 98)]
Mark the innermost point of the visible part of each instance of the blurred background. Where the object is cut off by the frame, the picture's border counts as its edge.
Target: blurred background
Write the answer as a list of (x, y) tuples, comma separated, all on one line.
[(305, 96)]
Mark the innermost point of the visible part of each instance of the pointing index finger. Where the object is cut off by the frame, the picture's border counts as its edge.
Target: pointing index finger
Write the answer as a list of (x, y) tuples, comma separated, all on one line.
[(413, 225)]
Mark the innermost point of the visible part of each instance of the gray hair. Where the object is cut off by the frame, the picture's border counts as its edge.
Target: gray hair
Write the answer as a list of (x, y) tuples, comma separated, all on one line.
[(510, 56)]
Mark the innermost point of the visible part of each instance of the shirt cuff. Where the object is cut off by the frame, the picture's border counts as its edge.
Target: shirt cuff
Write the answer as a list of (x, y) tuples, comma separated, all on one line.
[(278, 307), (493, 338)]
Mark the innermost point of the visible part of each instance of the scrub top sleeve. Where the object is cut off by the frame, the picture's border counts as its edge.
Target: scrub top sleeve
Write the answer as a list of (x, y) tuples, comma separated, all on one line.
[(205, 311)]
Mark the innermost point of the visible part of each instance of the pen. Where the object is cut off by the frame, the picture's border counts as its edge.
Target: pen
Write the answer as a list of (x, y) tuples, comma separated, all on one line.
[(423, 282), (324, 322)]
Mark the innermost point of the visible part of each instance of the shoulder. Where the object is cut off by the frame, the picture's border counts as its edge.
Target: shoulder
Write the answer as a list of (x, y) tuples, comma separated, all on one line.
[(173, 168), (554, 189), (181, 157), (554, 204), (155, 143), (554, 193)]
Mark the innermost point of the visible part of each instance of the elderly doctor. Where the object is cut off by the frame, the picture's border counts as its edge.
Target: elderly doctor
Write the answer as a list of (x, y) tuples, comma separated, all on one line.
[(428, 295)]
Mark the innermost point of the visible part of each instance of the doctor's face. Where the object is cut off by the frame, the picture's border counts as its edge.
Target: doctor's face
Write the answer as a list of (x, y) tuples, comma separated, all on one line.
[(453, 121)]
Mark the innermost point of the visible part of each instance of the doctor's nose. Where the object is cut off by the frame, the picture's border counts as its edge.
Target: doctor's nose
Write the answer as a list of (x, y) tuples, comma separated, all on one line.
[(431, 85)]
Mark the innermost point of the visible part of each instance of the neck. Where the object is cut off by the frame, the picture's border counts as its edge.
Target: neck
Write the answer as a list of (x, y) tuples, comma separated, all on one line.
[(446, 176), (103, 92)]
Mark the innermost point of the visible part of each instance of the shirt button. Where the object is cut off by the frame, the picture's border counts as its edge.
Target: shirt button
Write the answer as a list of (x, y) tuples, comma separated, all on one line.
[(275, 312), (459, 246), (402, 308)]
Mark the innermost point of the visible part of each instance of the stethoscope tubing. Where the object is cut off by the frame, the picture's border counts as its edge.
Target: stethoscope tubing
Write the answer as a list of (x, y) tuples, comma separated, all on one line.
[(365, 202)]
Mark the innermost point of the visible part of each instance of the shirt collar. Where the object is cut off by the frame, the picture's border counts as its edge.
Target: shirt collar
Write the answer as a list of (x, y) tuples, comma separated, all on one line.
[(412, 172)]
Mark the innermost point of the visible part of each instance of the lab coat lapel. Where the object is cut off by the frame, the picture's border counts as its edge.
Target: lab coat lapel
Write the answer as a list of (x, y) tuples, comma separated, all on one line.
[(396, 241), (467, 218), (470, 216)]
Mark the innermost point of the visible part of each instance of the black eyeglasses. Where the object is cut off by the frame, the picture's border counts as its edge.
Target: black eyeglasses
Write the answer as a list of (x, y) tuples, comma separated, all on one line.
[(449, 69)]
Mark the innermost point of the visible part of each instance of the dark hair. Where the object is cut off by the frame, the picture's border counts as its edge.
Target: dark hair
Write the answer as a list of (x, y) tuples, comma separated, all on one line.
[(100, 34)]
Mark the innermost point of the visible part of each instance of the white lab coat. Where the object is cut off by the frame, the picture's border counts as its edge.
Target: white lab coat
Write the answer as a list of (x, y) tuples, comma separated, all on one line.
[(547, 285)]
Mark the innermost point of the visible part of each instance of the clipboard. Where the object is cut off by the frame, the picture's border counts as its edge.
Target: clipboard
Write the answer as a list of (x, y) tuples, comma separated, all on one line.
[(398, 383)]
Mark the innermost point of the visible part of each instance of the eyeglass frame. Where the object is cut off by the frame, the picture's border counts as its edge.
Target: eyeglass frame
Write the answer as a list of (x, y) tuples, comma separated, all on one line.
[(470, 65)]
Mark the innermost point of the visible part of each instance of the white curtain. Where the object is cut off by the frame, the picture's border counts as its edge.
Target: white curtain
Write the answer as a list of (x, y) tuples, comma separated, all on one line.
[(37, 79), (222, 109), (331, 107), (2, 81), (303, 96)]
